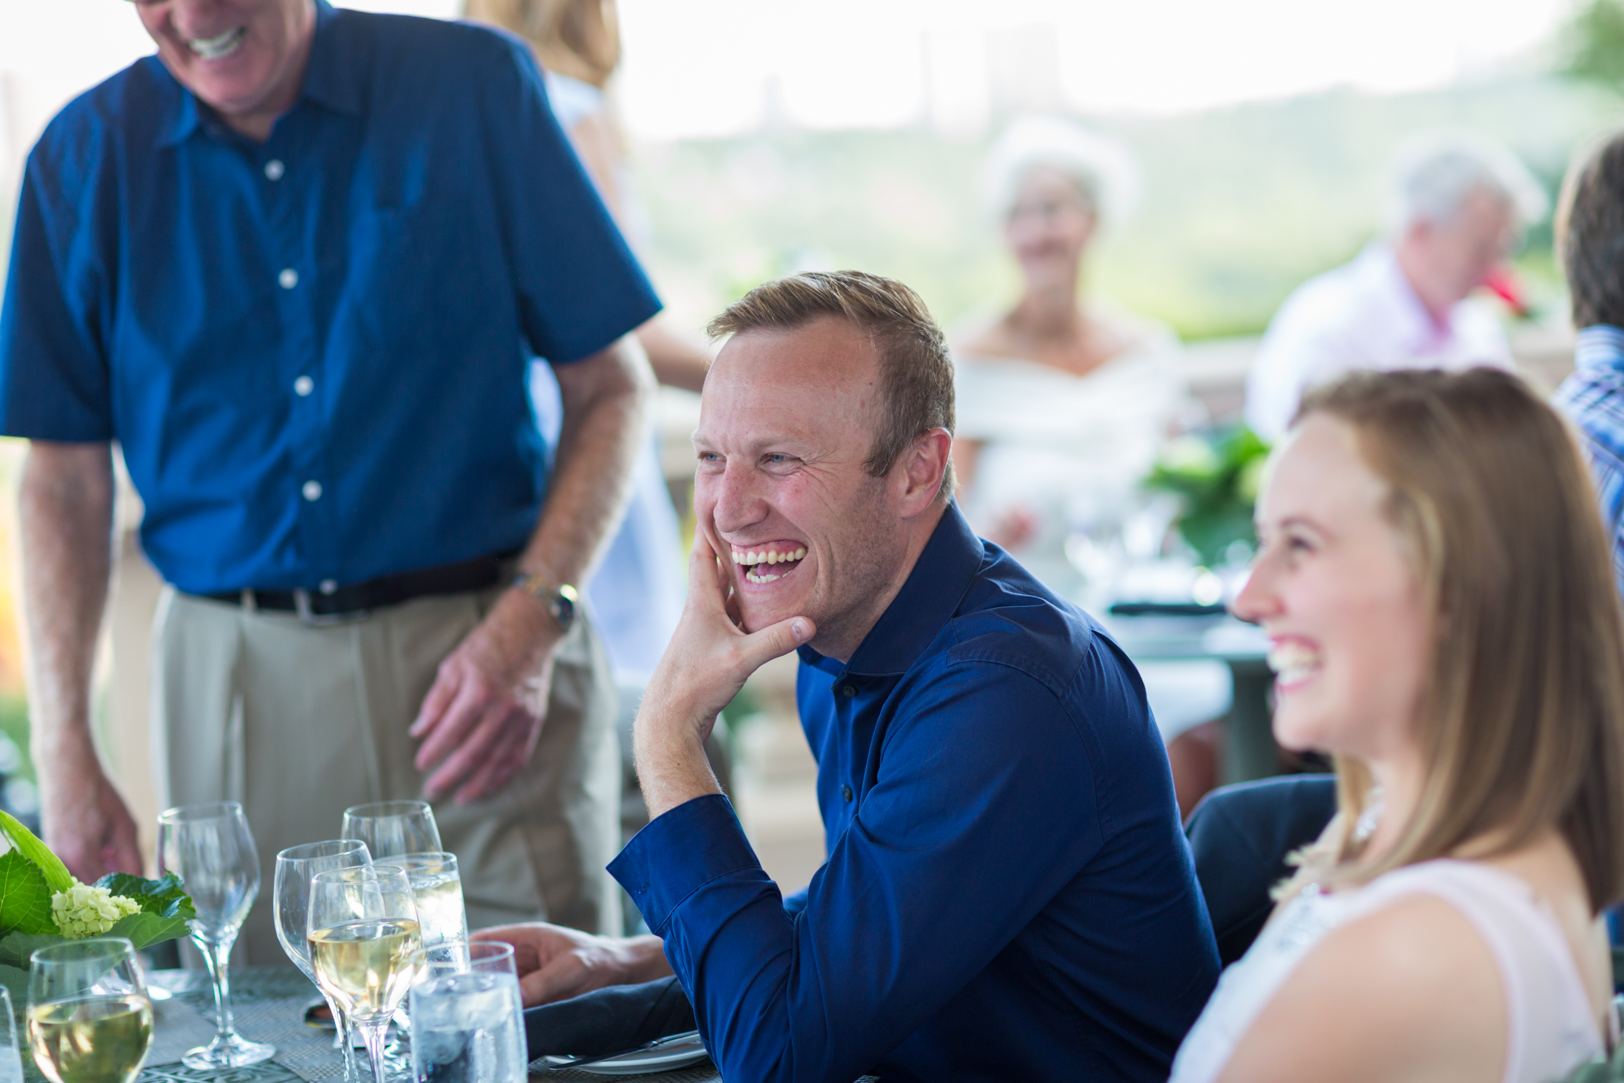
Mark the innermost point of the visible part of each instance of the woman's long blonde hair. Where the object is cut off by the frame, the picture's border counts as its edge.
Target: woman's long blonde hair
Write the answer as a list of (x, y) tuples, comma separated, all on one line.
[(1522, 718), (578, 38)]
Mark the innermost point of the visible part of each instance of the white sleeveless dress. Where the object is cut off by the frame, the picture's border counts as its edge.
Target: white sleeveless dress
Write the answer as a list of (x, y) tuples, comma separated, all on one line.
[(1552, 1026)]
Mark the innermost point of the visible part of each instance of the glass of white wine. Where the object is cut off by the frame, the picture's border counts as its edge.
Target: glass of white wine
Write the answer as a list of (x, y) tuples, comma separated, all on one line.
[(366, 947), (393, 828), (212, 850), (290, 898), (89, 1017)]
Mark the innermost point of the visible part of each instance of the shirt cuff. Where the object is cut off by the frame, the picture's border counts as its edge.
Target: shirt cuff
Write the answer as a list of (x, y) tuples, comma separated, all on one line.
[(680, 852)]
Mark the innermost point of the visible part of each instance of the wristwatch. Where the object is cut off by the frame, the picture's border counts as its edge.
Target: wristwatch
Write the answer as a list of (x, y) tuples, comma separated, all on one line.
[(559, 598)]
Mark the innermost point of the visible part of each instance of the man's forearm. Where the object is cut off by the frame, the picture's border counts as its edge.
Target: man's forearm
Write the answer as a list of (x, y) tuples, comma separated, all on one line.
[(66, 503), (603, 400)]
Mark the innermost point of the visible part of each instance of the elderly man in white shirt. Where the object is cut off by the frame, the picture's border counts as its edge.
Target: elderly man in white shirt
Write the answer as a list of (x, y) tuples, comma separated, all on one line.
[(1457, 208)]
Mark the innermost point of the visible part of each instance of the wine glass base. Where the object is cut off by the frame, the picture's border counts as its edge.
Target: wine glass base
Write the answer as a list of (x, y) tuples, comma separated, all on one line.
[(232, 1052)]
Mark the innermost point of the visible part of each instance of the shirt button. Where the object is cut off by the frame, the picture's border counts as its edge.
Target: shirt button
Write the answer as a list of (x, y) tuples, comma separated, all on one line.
[(274, 169), (845, 791), (311, 490), (288, 278), (848, 691), (327, 586), (303, 386)]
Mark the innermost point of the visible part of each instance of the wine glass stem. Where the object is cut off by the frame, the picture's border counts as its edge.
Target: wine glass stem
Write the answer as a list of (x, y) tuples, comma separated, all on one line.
[(373, 1034), (342, 1024), (216, 955)]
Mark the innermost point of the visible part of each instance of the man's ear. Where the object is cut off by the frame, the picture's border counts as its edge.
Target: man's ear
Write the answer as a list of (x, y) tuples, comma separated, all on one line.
[(919, 471)]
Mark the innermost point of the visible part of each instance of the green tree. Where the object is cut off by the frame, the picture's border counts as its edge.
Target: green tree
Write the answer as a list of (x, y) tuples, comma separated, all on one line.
[(1595, 44)]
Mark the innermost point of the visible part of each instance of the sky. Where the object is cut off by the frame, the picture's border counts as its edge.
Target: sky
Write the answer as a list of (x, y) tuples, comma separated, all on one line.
[(698, 68)]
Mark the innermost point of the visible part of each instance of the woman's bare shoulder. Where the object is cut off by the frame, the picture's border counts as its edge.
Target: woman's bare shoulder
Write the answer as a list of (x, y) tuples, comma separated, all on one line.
[(1408, 991)]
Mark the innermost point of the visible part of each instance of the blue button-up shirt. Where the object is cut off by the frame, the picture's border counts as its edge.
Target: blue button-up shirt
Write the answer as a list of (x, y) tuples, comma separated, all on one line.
[(1008, 894), (1593, 397), (313, 350)]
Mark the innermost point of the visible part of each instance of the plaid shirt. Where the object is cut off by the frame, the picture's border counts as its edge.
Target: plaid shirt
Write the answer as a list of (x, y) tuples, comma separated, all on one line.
[(1593, 397)]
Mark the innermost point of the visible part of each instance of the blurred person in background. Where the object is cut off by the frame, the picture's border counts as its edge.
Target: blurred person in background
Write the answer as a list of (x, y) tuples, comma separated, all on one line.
[(1590, 245), (296, 265), (1064, 404), (1436, 588), (1457, 208)]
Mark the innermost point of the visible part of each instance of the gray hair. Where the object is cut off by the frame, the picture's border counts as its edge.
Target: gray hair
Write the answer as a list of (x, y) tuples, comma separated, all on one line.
[(1434, 174), (1099, 165)]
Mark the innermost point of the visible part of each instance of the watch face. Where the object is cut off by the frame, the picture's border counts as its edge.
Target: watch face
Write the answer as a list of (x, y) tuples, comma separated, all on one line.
[(563, 610)]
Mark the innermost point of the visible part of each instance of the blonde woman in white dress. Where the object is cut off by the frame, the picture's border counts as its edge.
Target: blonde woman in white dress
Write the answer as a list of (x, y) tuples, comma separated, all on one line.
[(1436, 584), (1063, 406)]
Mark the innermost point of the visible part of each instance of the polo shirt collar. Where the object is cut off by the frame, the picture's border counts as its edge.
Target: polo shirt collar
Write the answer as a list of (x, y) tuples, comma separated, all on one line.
[(1599, 347), (928, 599), (330, 78)]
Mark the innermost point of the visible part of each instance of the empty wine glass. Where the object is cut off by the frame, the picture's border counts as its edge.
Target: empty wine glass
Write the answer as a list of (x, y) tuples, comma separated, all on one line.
[(89, 1018), (392, 828), (290, 899), (365, 947), (211, 849)]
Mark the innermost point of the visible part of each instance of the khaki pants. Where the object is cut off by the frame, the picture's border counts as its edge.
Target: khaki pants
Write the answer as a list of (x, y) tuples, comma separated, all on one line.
[(298, 723)]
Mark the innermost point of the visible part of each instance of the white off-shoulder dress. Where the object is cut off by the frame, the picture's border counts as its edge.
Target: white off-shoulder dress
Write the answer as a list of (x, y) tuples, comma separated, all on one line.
[(1552, 1027)]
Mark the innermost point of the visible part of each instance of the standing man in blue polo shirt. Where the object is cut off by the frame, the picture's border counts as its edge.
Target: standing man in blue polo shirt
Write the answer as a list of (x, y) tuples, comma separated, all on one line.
[(295, 266), (1008, 894)]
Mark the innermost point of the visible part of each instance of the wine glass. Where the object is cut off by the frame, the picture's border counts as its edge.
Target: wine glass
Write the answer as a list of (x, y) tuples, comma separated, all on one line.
[(211, 849), (392, 828), (290, 900), (437, 889), (365, 947), (89, 1018)]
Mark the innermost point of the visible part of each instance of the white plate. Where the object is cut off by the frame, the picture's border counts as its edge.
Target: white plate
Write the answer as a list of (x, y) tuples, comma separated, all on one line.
[(644, 1061)]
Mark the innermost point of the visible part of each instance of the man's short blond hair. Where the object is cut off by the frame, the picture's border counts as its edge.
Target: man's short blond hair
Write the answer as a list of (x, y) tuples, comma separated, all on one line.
[(916, 374)]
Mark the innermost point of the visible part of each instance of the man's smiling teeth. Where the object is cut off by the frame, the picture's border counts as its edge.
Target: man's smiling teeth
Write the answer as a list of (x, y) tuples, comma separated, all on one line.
[(219, 45), (754, 558), (1292, 662)]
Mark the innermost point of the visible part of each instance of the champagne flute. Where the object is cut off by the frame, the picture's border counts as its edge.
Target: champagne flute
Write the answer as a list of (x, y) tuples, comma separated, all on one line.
[(437, 890), (393, 828), (89, 1018), (365, 947), (290, 900), (211, 849)]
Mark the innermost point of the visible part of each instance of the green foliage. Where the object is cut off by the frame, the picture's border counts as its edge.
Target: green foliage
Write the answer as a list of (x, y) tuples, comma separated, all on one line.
[(164, 898), (1217, 483), (144, 929), (1595, 44), (56, 873), (25, 897), (15, 948)]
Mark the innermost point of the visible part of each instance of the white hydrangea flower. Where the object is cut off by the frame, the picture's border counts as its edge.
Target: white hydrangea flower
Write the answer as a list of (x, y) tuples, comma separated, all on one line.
[(84, 910)]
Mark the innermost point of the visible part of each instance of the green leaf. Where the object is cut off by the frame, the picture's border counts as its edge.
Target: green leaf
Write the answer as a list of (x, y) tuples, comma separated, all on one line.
[(56, 873), (144, 929), (17, 947), (25, 897), (164, 897)]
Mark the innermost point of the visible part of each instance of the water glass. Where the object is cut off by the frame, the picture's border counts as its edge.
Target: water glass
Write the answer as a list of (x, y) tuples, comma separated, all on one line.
[(212, 851), (468, 1019), (290, 899), (393, 828), (365, 947), (89, 1017), (437, 890)]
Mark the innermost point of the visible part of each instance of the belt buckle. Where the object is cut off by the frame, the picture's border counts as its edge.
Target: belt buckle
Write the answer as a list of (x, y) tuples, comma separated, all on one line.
[(301, 605)]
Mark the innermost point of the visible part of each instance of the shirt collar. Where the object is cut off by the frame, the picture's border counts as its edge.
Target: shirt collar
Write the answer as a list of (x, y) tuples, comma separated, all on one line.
[(1600, 346), (928, 598), (1419, 328), (330, 79)]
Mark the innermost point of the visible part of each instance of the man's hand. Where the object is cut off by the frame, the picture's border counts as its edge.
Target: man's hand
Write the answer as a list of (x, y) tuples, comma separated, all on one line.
[(87, 825), (708, 660), (556, 963), (483, 716)]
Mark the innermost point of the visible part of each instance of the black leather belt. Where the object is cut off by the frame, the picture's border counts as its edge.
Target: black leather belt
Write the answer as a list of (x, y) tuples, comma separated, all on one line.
[(331, 603)]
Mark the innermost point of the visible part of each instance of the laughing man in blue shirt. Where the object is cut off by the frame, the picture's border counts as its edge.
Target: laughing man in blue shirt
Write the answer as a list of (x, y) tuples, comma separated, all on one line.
[(1007, 893)]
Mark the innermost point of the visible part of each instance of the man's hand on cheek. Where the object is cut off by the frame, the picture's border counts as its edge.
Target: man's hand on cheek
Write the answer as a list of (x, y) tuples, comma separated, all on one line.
[(704, 667)]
